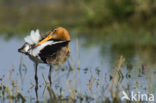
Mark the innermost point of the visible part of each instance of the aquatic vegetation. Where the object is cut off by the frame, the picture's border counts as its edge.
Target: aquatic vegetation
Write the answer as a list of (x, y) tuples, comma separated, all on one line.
[(96, 87)]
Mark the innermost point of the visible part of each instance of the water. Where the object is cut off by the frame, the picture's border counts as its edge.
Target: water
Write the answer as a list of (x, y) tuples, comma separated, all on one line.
[(97, 64)]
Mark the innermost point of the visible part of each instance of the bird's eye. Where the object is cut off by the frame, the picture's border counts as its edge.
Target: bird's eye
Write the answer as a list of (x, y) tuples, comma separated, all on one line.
[(55, 30)]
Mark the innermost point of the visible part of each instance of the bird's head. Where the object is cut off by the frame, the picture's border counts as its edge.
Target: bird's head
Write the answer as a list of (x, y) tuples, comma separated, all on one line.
[(58, 33)]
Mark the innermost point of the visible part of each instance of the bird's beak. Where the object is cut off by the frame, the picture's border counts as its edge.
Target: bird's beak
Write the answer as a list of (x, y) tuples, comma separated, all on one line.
[(46, 39)]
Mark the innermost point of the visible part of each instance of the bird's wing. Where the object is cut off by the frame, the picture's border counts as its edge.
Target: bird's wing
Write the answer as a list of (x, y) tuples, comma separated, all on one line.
[(51, 50), (47, 48)]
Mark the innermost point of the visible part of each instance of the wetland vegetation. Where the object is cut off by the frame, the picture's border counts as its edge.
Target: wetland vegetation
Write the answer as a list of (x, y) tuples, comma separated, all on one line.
[(112, 50)]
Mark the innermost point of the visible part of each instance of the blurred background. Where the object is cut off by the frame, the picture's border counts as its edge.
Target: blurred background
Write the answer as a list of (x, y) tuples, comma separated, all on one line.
[(101, 31), (84, 15), (127, 25)]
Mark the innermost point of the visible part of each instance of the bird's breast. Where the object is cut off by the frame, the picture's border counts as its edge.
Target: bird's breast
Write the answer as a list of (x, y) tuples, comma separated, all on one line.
[(59, 57)]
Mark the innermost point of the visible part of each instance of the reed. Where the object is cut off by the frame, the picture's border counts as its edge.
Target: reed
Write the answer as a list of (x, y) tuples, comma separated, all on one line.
[(72, 91)]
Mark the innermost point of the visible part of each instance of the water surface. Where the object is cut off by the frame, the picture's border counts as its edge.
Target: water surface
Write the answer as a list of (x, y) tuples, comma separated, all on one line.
[(93, 67)]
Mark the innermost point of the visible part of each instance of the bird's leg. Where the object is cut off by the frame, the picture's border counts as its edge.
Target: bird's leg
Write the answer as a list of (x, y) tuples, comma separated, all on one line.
[(36, 77), (49, 76), (36, 80)]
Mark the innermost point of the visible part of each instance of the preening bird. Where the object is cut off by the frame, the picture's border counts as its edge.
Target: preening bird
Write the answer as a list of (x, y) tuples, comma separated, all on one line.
[(50, 48)]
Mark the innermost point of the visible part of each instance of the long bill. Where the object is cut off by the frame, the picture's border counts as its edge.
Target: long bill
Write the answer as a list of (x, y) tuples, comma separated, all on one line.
[(44, 40)]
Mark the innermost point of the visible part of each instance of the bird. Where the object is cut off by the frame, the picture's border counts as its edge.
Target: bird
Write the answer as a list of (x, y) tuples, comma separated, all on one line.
[(51, 48)]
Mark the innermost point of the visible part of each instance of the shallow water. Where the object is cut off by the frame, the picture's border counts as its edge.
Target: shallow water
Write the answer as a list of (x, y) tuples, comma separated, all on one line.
[(96, 64)]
